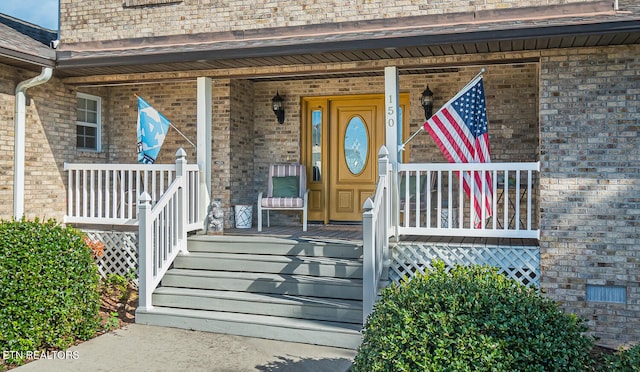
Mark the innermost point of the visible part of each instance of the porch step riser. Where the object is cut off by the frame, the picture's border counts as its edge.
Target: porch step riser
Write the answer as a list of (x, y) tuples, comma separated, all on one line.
[(339, 290), (300, 311), (291, 266), (274, 331), (286, 248)]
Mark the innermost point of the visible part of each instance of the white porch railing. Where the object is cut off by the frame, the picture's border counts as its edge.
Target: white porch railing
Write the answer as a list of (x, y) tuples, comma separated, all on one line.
[(162, 231), (431, 201), (376, 225), (106, 194), (438, 205)]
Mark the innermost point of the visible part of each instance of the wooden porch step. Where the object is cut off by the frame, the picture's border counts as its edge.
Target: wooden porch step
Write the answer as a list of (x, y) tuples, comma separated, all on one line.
[(301, 307), (298, 290), (291, 265), (274, 246), (315, 332), (297, 285)]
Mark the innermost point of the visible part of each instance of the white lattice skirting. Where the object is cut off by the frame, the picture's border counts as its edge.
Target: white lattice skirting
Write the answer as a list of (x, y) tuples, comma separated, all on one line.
[(120, 252), (517, 262)]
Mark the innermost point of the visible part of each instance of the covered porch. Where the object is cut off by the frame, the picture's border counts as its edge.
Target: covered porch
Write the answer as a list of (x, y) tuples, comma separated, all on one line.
[(238, 137)]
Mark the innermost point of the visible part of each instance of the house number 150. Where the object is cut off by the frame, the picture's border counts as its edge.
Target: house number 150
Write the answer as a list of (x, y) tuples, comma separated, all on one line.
[(391, 110)]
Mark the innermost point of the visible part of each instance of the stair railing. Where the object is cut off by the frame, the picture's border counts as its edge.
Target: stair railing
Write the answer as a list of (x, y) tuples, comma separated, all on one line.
[(376, 225), (162, 231)]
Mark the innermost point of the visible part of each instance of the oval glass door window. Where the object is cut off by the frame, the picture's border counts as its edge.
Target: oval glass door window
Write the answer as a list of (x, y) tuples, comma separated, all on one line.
[(356, 145)]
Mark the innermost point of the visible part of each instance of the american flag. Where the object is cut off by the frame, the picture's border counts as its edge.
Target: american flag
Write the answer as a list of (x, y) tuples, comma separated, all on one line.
[(459, 129)]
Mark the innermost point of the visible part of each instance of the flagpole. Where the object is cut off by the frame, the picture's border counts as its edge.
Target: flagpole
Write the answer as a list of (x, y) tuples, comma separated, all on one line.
[(471, 82), (174, 127), (410, 138), (183, 136), (479, 74)]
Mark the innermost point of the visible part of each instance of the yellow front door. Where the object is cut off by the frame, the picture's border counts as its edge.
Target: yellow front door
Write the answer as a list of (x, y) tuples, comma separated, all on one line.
[(356, 129), (341, 139)]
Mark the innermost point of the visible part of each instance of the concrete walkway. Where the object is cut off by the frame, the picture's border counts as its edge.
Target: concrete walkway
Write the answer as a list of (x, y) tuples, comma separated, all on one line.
[(147, 348)]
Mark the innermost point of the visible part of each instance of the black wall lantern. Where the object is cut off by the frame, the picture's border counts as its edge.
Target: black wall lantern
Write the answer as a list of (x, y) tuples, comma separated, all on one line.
[(277, 104), (427, 102)]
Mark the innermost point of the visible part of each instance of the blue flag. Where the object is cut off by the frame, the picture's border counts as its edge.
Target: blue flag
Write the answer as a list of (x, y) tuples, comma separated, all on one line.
[(152, 129)]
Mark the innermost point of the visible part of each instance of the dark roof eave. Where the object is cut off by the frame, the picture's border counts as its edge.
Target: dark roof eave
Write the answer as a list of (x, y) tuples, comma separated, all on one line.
[(64, 62), (36, 61)]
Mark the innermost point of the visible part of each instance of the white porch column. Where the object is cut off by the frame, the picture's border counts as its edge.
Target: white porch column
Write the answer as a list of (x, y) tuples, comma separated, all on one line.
[(392, 114), (203, 151), (393, 131)]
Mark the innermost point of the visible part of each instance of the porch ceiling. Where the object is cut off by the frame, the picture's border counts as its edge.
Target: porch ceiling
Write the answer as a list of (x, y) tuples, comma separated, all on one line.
[(528, 29)]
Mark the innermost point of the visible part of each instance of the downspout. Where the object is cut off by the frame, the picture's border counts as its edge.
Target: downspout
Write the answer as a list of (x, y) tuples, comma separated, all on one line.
[(20, 138)]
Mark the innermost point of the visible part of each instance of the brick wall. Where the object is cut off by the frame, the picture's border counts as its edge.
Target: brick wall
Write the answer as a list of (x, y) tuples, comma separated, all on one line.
[(50, 140), (84, 20), (241, 130), (7, 100), (590, 186)]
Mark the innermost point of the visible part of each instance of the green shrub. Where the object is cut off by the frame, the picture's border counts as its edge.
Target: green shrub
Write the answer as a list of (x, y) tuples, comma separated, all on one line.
[(48, 287), (623, 361), (470, 319)]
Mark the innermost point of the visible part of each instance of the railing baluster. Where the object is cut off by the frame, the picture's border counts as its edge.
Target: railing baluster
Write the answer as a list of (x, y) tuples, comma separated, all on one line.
[(418, 187), (505, 199), (517, 191), (99, 193), (84, 193), (121, 193), (106, 194), (428, 203), (129, 185), (460, 222), (92, 194), (494, 200), (439, 201), (529, 208)]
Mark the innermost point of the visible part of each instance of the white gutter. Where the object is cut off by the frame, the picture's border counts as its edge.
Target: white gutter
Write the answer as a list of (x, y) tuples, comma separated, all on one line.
[(20, 135)]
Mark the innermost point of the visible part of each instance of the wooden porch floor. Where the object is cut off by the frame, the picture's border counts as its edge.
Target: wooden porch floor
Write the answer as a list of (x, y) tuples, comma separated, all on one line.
[(353, 233)]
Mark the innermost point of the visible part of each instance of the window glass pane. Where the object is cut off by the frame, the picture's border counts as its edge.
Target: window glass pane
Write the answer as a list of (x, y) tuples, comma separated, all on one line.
[(90, 132), (92, 105), (80, 142), (82, 115), (90, 143), (316, 144), (82, 103), (612, 294), (92, 117), (356, 145)]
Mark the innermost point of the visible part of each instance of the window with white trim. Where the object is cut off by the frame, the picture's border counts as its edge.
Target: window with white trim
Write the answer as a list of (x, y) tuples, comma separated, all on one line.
[(89, 122)]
